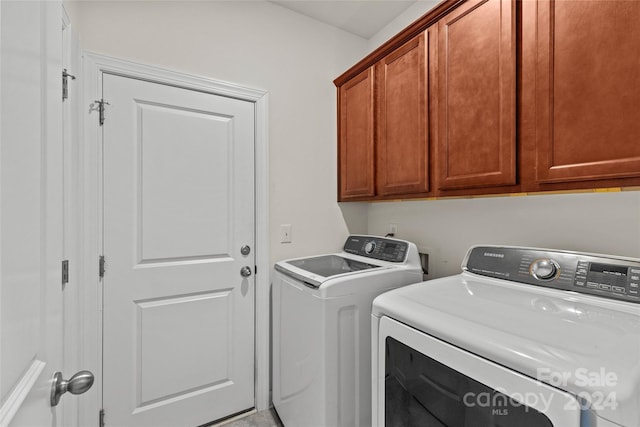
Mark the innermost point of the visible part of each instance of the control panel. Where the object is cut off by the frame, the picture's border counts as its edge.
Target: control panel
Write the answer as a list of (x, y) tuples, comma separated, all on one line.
[(572, 271), (377, 248)]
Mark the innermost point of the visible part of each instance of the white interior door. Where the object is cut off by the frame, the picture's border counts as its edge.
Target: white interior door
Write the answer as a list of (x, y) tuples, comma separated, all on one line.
[(178, 206), (31, 211)]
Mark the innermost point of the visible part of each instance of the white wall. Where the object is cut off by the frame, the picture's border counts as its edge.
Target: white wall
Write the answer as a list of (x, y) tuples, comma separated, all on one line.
[(356, 214), (403, 20), (261, 45), (588, 222)]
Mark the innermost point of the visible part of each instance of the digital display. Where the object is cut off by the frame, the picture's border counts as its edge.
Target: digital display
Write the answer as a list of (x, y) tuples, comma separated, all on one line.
[(615, 270), (389, 248)]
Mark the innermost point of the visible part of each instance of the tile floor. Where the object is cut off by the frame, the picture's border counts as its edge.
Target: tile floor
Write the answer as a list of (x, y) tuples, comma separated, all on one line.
[(267, 418)]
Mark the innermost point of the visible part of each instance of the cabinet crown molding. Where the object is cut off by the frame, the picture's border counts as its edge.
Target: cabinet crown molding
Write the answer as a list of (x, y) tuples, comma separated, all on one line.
[(418, 26)]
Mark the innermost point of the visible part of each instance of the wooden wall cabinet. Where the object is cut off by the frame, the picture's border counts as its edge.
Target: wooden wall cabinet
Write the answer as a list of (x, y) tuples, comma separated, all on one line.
[(496, 96), (355, 137), (587, 96), (476, 145), (383, 126), (402, 121)]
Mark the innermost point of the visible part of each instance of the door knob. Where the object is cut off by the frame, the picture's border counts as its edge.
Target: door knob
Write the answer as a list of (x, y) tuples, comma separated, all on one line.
[(77, 384), (245, 271)]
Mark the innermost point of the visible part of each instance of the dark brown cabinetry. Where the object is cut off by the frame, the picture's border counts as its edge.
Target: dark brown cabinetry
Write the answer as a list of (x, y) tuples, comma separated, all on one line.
[(402, 123), (476, 145), (383, 127), (502, 96), (355, 138), (587, 89)]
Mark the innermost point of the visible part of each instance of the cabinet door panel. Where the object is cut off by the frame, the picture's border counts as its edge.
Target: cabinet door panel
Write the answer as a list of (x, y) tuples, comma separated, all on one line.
[(356, 155), (402, 120), (588, 90), (477, 80)]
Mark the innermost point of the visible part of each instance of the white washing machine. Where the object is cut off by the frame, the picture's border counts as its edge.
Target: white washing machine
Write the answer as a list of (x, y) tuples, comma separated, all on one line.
[(523, 337), (322, 329)]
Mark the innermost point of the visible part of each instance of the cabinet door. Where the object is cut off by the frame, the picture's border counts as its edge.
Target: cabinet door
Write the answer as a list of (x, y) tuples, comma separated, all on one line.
[(587, 90), (476, 144), (355, 137), (402, 141)]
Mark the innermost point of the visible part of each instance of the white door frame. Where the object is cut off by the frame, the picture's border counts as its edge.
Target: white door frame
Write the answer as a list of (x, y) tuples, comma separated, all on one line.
[(90, 328), (70, 119)]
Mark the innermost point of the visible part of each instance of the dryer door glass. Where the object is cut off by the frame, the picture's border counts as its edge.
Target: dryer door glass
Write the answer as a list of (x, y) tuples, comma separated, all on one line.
[(420, 391)]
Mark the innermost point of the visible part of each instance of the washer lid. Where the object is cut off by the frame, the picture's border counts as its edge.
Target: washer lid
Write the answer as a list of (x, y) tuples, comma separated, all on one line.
[(317, 270), (330, 265), (586, 345)]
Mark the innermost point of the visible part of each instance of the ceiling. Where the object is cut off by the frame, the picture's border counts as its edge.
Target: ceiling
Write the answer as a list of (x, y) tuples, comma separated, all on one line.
[(360, 17)]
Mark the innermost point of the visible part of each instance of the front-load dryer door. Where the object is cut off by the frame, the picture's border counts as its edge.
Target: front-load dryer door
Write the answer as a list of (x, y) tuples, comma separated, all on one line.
[(420, 380)]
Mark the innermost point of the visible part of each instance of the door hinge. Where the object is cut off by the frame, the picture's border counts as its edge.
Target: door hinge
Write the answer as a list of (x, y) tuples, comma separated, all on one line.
[(101, 103), (101, 268), (65, 272), (65, 83), (101, 418)]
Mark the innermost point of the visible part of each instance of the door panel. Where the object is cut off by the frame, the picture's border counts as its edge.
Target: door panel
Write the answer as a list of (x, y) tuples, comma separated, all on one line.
[(355, 143), (168, 195), (402, 141), (178, 206), (196, 363), (31, 218), (477, 79), (587, 90)]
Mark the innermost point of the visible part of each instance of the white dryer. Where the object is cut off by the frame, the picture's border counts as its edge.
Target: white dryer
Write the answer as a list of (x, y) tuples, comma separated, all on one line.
[(322, 329), (523, 337)]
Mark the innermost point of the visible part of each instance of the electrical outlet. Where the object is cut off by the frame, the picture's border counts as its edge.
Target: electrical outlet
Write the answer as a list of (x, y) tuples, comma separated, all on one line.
[(285, 233), (393, 229)]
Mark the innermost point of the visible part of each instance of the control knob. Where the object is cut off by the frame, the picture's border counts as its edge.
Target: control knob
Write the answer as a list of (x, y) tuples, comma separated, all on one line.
[(369, 247), (544, 269)]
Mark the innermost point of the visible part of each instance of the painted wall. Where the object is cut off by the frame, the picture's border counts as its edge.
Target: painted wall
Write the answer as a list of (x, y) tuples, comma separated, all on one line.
[(588, 222), (261, 45), (403, 20), (356, 214)]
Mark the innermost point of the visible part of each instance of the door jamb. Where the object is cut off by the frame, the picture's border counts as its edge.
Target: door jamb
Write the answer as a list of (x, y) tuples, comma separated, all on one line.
[(94, 66), (70, 61)]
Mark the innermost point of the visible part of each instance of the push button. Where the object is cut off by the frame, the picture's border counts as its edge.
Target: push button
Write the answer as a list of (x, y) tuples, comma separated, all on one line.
[(618, 289), (605, 287)]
